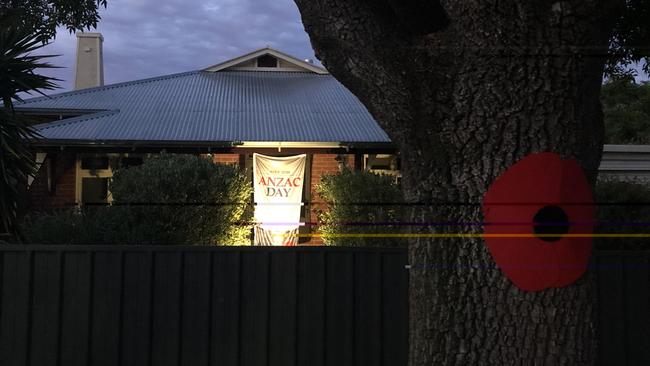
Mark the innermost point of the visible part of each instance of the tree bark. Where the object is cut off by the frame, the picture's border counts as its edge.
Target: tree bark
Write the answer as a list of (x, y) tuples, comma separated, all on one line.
[(467, 88)]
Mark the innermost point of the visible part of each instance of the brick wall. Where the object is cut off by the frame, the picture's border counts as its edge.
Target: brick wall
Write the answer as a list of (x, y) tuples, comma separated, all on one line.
[(226, 158), (63, 196)]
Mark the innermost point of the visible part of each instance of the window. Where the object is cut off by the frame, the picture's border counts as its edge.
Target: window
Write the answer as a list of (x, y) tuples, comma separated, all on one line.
[(94, 190), (384, 164), (94, 163), (94, 173), (267, 61)]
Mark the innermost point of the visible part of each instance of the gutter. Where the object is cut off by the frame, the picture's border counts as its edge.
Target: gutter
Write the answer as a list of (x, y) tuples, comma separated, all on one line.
[(211, 146), (132, 145)]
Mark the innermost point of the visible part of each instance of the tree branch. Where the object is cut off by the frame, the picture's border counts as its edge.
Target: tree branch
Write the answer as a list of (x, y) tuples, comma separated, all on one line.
[(355, 39)]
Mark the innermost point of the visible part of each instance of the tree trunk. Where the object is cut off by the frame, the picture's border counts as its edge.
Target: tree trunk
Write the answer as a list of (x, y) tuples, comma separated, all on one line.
[(467, 88)]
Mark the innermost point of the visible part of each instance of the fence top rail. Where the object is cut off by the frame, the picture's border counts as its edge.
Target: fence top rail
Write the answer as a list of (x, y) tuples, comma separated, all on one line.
[(623, 253), (248, 248), (188, 248)]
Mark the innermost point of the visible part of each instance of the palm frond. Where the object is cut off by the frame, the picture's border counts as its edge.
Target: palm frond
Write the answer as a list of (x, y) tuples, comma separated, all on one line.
[(18, 64), (17, 75)]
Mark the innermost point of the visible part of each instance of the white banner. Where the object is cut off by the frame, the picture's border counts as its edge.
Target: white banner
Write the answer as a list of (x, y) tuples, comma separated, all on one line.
[(278, 185)]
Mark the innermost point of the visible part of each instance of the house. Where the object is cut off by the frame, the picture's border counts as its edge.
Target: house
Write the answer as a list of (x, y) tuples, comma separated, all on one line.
[(264, 102)]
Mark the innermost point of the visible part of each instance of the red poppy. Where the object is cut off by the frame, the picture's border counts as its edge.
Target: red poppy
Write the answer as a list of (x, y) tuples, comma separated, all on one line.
[(542, 197)]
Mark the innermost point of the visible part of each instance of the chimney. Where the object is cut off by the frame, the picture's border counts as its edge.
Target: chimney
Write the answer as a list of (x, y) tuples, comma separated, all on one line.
[(89, 70)]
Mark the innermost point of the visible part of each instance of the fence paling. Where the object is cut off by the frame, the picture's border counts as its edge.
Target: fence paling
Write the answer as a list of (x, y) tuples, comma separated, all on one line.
[(166, 305), (81, 305)]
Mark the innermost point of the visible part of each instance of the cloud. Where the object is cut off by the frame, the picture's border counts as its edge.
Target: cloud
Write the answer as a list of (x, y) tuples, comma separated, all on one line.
[(145, 38)]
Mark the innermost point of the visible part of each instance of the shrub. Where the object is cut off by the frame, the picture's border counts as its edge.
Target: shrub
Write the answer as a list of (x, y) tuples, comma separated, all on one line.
[(91, 225), (60, 227), (626, 109), (184, 199), (360, 202), (621, 211), (169, 199)]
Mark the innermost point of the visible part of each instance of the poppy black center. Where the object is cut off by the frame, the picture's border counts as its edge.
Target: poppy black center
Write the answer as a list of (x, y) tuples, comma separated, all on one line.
[(550, 220)]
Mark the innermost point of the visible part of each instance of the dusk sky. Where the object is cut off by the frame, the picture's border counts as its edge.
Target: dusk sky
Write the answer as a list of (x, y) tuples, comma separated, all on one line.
[(145, 38)]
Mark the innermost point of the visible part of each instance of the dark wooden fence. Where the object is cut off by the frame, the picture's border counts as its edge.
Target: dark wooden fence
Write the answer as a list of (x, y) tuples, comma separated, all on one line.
[(624, 307), (202, 306), (91, 305)]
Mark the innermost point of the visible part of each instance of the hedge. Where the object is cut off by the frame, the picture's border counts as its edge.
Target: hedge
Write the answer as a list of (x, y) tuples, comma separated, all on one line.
[(169, 199), (360, 203)]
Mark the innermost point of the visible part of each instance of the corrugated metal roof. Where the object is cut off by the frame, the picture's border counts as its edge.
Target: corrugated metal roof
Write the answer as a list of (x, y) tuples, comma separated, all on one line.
[(215, 106)]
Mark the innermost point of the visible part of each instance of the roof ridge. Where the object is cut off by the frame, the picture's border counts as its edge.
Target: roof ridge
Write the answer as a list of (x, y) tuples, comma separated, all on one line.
[(107, 87), (78, 119), (262, 72)]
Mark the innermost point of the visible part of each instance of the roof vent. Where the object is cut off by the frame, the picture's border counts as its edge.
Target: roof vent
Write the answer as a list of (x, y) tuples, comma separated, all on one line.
[(267, 61)]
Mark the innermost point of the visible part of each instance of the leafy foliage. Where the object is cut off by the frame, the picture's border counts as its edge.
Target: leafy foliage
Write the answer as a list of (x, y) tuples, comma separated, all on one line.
[(16, 162), (623, 212), (26, 26), (169, 199), (626, 106), (17, 65), (360, 202), (630, 43), (200, 202), (63, 227), (42, 17), (15, 165)]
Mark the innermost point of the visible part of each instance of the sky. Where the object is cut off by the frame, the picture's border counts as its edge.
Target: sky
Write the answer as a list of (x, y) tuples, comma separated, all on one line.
[(146, 38)]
